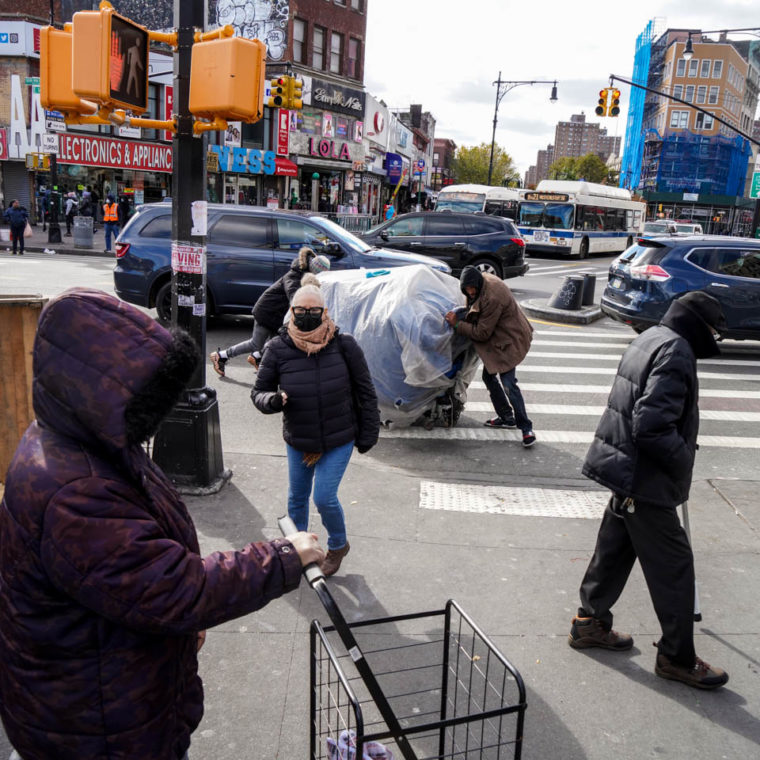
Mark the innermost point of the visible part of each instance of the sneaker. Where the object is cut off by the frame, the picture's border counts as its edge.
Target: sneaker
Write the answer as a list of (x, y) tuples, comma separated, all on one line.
[(701, 676), (529, 439), (333, 558), (253, 361), (217, 362), (498, 422), (588, 632)]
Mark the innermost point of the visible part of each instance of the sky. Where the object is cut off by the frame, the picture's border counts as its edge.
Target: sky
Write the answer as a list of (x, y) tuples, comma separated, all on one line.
[(445, 54)]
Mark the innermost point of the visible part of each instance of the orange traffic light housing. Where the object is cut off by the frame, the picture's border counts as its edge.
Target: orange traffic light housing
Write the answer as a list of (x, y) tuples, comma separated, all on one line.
[(278, 92), (615, 103), (56, 93), (110, 59), (601, 109), (227, 78)]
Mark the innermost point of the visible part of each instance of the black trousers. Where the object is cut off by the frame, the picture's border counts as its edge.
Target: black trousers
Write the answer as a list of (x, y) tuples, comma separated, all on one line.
[(654, 535)]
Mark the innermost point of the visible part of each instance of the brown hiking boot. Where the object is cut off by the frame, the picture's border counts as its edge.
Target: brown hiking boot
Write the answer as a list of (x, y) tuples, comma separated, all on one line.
[(252, 361), (701, 676), (589, 632), (332, 560)]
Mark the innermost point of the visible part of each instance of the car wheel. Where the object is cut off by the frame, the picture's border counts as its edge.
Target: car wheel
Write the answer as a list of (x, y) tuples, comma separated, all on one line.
[(584, 249), (487, 266), (164, 303)]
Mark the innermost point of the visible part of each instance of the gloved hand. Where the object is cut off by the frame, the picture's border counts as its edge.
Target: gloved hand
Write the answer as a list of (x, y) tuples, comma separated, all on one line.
[(363, 449)]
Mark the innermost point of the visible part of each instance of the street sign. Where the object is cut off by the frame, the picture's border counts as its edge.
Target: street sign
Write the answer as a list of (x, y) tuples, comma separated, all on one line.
[(420, 165), (49, 143), (54, 121), (755, 190), (32, 80)]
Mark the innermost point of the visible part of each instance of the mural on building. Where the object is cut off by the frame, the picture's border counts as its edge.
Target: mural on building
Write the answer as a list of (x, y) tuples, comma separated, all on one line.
[(265, 20)]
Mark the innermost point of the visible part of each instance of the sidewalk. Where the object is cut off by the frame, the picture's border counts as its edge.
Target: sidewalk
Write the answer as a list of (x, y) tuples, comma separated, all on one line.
[(38, 242)]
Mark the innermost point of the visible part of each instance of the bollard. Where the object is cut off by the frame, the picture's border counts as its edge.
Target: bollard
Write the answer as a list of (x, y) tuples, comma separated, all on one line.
[(589, 286), (569, 296)]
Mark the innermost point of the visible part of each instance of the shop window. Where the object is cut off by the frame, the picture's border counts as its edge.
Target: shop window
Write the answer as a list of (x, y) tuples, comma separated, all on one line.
[(354, 49), (299, 40), (242, 231), (160, 227), (336, 53), (318, 48)]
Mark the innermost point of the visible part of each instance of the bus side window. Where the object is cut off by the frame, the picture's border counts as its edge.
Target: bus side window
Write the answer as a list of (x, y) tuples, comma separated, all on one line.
[(493, 208), (580, 216)]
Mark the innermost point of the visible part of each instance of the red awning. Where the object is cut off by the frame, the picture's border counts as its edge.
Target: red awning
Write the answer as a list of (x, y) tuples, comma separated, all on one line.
[(285, 168)]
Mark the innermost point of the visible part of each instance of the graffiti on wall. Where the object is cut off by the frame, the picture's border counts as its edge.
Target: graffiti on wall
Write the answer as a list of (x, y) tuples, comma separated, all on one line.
[(265, 20)]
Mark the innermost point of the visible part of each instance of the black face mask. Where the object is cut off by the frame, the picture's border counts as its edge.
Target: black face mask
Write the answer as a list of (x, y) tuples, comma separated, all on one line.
[(307, 322)]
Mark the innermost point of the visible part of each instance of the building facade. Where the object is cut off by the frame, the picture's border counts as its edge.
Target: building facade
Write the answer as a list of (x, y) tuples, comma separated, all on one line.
[(577, 137), (444, 151)]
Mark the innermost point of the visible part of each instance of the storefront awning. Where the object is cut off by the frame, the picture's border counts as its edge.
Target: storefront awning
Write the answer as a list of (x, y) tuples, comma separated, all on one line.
[(283, 167)]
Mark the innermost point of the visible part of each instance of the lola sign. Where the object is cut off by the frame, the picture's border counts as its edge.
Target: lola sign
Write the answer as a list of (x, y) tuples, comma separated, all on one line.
[(329, 149)]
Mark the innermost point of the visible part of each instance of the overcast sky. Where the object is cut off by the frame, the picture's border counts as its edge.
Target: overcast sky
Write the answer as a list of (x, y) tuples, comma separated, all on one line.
[(445, 54)]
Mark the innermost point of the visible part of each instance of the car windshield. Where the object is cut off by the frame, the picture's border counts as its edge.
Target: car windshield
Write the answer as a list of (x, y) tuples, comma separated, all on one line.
[(467, 202), (686, 228), (338, 234)]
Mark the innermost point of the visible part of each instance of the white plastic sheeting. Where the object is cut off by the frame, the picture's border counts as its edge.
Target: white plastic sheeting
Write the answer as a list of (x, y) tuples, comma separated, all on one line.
[(396, 316)]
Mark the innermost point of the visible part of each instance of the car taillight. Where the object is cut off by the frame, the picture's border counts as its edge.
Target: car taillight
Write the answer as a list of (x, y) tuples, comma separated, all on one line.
[(518, 241), (649, 272), (121, 249)]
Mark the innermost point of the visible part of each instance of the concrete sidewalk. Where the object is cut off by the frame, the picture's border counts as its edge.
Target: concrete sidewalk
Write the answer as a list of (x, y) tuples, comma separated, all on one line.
[(38, 243)]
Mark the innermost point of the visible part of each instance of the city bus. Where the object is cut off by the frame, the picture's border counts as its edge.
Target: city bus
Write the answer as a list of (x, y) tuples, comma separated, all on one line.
[(578, 218), (497, 201)]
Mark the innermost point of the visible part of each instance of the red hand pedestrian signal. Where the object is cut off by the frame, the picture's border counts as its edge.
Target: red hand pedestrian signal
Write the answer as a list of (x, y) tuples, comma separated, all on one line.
[(117, 61)]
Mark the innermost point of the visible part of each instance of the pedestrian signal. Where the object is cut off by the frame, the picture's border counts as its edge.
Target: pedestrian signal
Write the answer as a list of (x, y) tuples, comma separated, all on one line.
[(295, 93), (601, 109), (227, 79), (110, 59), (615, 103), (278, 92)]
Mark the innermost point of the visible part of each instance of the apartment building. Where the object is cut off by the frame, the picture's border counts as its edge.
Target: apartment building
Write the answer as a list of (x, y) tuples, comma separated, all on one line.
[(577, 137)]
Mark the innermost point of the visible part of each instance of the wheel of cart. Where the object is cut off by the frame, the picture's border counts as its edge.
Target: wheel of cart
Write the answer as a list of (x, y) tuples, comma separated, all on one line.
[(423, 686)]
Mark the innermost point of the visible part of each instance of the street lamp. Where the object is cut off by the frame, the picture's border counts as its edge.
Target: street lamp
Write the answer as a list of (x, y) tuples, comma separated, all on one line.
[(688, 51), (502, 88)]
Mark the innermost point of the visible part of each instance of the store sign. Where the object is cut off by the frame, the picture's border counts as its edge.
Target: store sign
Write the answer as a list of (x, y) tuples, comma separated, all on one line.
[(244, 160), (335, 97), (693, 197), (118, 154), (393, 166), (285, 168), (283, 132), (168, 108), (329, 149), (3, 144)]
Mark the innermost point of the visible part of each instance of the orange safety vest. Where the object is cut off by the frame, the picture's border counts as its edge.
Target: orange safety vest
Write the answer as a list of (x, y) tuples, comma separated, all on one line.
[(110, 212)]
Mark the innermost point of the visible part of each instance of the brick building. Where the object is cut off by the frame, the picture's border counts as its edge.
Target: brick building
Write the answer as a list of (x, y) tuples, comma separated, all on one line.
[(444, 151), (577, 137)]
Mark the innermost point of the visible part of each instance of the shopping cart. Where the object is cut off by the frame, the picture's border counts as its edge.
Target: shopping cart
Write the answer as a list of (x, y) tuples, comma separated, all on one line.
[(423, 686)]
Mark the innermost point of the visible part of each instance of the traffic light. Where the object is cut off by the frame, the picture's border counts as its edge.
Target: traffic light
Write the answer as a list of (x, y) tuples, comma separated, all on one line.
[(295, 93), (56, 93), (601, 109), (110, 59), (278, 92), (615, 103), (227, 79)]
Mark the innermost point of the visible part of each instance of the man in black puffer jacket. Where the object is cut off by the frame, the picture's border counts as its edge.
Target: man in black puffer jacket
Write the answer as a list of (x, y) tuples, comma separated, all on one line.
[(643, 451)]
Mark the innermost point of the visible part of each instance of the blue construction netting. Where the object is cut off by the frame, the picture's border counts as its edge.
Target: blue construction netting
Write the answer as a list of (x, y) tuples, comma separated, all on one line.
[(633, 151)]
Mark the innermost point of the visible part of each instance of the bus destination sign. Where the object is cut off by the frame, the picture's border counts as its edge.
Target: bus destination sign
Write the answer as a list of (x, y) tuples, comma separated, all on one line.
[(550, 197)]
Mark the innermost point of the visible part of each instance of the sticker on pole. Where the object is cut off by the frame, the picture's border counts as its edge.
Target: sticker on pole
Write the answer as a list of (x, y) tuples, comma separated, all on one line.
[(190, 259), (199, 215)]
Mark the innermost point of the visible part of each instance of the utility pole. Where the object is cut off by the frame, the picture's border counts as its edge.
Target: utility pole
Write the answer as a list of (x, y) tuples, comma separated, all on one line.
[(188, 446), (54, 229)]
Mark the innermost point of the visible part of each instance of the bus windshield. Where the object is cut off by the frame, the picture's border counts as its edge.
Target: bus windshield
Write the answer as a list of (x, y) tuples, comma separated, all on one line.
[(466, 202), (556, 216), (532, 214)]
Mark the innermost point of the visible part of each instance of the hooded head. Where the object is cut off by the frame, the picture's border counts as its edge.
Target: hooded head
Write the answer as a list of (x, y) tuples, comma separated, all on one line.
[(105, 373), (469, 279), (305, 255), (697, 317), (110, 198)]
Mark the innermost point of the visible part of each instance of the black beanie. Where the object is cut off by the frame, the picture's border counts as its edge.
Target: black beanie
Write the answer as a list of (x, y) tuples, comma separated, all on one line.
[(471, 277), (705, 306)]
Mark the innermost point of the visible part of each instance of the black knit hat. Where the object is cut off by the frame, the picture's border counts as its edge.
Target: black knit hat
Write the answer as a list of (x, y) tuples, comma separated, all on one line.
[(705, 306)]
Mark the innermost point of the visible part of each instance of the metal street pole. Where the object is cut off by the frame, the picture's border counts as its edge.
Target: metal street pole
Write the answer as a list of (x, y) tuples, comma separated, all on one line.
[(54, 229), (493, 134), (188, 446)]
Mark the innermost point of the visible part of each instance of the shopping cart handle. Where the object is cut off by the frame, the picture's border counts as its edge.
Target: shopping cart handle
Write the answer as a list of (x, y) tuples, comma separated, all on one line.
[(312, 572)]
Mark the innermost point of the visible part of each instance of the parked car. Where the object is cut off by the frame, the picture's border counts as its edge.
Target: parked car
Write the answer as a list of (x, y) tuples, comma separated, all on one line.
[(666, 227), (248, 248), (491, 243), (652, 272)]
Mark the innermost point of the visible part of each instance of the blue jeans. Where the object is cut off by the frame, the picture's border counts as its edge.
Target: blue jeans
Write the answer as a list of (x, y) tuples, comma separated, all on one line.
[(507, 399), (326, 475), (111, 228)]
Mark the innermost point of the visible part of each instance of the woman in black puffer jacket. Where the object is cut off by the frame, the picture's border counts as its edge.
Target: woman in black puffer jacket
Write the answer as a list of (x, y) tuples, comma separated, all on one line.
[(319, 380)]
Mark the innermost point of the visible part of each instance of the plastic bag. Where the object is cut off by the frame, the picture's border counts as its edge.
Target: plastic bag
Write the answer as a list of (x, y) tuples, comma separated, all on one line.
[(28, 230), (397, 318)]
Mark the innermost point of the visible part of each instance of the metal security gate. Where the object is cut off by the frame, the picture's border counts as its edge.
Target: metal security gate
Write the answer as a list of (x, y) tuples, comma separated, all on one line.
[(16, 185)]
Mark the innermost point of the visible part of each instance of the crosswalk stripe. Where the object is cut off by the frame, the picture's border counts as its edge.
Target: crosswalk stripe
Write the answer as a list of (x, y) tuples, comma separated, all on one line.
[(613, 371), (615, 333), (561, 388), (545, 436), (616, 357), (579, 343)]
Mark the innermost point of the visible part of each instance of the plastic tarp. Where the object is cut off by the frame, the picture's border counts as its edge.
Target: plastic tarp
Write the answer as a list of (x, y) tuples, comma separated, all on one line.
[(396, 316)]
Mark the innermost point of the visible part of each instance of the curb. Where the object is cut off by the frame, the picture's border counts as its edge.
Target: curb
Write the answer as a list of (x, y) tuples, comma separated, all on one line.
[(60, 251), (537, 307)]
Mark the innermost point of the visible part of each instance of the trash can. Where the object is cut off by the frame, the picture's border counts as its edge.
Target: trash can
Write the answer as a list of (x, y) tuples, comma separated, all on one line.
[(19, 315), (569, 296), (83, 232), (589, 286)]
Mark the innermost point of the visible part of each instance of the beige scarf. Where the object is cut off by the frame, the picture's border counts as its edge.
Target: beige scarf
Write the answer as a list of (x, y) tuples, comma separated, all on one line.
[(314, 341)]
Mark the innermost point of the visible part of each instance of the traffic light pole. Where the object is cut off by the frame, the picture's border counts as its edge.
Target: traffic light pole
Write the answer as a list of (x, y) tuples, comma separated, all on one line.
[(188, 445), (54, 229)]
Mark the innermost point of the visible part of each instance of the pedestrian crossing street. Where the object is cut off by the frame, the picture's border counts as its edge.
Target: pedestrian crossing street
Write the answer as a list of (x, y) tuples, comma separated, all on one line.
[(565, 385)]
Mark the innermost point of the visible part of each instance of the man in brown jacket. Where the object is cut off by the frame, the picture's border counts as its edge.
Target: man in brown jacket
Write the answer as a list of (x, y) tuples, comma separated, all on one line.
[(502, 335)]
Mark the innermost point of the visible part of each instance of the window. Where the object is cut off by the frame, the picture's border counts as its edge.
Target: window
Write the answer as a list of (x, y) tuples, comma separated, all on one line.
[(318, 48), (152, 112), (409, 227), (354, 46), (704, 70), (717, 69), (480, 226), (703, 121), (712, 98), (679, 119), (443, 224), (531, 214), (340, 2), (242, 231), (693, 67), (678, 91), (689, 97), (336, 53), (701, 93), (160, 227), (681, 67), (357, 5), (299, 40), (293, 233), (735, 262)]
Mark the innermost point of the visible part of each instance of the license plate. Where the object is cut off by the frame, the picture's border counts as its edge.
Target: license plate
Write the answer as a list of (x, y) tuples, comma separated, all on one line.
[(616, 282), (540, 236)]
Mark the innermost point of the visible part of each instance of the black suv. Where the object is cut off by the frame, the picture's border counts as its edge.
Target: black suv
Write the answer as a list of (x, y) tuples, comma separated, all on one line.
[(490, 243)]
